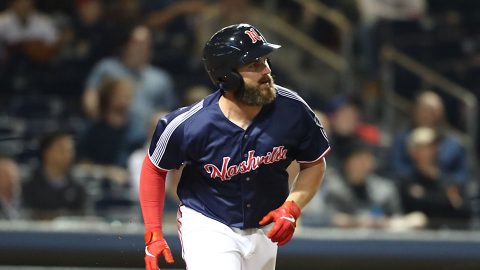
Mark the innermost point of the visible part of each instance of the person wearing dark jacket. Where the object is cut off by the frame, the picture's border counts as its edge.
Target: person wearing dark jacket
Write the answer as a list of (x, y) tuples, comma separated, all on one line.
[(425, 189), (52, 190)]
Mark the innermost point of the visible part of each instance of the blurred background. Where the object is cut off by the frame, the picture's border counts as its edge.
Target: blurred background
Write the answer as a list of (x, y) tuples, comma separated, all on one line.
[(394, 82)]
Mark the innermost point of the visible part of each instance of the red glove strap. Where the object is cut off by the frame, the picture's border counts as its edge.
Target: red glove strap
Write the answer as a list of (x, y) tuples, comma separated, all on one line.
[(151, 237), (293, 209)]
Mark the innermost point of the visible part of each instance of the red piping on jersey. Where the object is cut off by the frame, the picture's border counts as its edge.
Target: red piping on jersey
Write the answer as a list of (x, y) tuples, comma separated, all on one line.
[(321, 156), (179, 226)]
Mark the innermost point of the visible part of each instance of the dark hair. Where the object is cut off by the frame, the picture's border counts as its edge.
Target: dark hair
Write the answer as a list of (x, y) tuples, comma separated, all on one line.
[(340, 101), (123, 35), (49, 139), (358, 146), (106, 91)]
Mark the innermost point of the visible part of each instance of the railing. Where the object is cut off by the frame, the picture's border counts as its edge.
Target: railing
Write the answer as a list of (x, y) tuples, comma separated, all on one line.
[(302, 40), (344, 27), (337, 19), (390, 55)]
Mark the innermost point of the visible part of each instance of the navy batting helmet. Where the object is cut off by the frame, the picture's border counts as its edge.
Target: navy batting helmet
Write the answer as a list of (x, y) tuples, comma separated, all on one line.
[(231, 47)]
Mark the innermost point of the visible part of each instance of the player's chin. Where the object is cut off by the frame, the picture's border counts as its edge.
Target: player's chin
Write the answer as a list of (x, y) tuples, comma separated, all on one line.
[(267, 100)]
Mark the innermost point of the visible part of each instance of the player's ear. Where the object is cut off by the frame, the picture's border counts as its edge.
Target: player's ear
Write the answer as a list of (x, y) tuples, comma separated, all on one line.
[(231, 81)]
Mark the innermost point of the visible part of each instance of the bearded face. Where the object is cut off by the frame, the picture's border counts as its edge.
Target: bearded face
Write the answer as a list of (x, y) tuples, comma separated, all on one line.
[(257, 93)]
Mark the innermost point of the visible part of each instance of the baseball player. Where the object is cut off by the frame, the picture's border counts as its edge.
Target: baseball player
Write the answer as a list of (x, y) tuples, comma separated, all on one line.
[(234, 146)]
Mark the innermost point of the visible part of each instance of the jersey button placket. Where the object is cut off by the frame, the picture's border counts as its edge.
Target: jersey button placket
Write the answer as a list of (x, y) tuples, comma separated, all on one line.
[(247, 178), (244, 145)]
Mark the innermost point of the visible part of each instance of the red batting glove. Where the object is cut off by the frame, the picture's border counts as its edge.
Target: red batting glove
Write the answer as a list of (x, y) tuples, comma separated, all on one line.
[(285, 218), (156, 246)]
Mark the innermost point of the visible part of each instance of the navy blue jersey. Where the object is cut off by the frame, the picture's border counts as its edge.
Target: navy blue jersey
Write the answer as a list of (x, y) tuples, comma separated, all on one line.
[(233, 175)]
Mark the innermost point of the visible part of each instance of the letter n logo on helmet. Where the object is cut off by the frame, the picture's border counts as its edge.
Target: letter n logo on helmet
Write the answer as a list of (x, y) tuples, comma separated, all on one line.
[(254, 36)]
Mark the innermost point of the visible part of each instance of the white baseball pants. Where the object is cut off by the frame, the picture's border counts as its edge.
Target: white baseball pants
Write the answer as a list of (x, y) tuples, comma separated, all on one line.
[(209, 244)]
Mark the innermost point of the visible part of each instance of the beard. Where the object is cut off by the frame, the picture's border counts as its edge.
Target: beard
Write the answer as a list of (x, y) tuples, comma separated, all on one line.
[(258, 94)]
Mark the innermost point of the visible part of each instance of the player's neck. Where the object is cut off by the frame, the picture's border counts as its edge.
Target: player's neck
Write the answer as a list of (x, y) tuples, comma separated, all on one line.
[(238, 113)]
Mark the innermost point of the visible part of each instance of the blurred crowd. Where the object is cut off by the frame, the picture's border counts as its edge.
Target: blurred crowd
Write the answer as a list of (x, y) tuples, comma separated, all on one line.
[(84, 82)]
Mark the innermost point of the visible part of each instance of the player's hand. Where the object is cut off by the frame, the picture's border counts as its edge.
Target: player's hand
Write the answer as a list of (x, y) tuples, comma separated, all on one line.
[(285, 218), (156, 246)]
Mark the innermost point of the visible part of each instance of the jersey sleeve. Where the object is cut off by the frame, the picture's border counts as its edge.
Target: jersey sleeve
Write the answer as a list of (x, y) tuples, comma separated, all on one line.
[(166, 151), (314, 143)]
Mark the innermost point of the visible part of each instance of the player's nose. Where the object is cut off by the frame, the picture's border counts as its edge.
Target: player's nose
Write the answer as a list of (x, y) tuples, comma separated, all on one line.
[(266, 69)]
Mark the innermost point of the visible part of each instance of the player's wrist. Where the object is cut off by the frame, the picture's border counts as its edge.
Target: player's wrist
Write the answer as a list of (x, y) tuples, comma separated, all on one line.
[(293, 208), (152, 236)]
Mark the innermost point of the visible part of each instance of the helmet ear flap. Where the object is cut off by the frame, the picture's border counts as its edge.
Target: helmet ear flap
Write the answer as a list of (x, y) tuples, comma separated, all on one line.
[(231, 81)]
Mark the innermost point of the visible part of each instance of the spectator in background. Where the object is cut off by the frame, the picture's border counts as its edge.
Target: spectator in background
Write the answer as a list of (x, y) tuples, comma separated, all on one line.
[(346, 127), (90, 34), (173, 24), (29, 41), (25, 31), (354, 196), (153, 87), (9, 189), (452, 159), (105, 141), (425, 189), (51, 190), (121, 13), (171, 10), (104, 147), (87, 41)]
